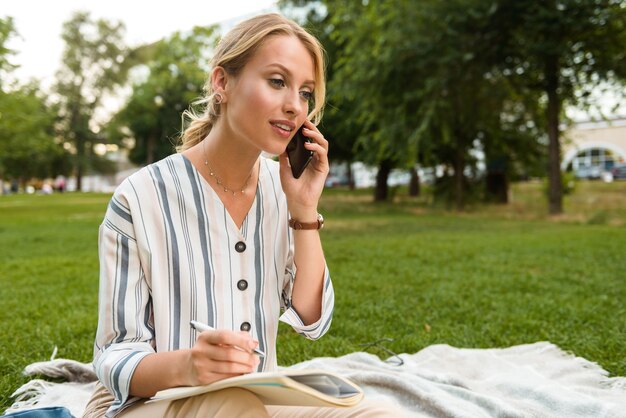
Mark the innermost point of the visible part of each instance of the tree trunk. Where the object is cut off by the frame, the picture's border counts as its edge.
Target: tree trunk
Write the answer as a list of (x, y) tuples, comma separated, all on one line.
[(350, 176), (77, 127), (496, 181), (497, 187), (150, 149), (414, 184), (555, 190), (381, 192), (80, 163)]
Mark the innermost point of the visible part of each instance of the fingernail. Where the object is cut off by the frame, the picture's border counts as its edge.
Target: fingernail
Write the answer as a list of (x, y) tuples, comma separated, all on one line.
[(253, 344)]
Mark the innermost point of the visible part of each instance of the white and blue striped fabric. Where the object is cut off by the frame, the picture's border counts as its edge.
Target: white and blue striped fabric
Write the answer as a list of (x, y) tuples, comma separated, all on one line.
[(171, 253)]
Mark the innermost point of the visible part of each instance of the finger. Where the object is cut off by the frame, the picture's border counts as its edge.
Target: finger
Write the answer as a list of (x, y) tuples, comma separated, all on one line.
[(208, 358), (231, 338), (284, 166), (227, 337), (226, 367), (309, 125), (316, 148), (204, 378), (320, 157), (232, 354), (316, 136), (283, 159)]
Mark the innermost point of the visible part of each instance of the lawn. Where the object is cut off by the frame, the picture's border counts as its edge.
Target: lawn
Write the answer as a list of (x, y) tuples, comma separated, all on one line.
[(490, 277)]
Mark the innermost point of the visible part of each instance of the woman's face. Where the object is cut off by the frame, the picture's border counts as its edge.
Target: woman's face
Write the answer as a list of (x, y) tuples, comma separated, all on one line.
[(269, 100)]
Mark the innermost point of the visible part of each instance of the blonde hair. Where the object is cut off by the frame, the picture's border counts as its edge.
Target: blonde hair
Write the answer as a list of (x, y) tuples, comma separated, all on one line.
[(233, 52)]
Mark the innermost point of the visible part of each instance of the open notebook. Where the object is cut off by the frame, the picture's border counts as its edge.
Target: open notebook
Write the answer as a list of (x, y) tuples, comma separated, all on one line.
[(288, 387)]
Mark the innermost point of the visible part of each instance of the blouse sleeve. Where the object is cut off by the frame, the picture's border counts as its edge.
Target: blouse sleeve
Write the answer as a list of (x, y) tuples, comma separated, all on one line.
[(290, 316), (125, 332)]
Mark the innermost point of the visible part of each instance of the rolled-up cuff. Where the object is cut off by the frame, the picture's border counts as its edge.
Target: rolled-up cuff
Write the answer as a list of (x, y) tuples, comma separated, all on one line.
[(115, 367), (318, 328)]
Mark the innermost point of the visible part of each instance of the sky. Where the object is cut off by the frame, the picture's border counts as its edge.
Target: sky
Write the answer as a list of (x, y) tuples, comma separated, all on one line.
[(38, 23)]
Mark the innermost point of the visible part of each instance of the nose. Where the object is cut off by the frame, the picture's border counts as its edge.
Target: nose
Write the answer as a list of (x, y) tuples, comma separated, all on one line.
[(293, 104)]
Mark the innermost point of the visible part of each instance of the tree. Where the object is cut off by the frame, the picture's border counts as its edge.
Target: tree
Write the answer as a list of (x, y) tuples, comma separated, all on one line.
[(364, 87), (93, 65), (435, 82), (7, 31), (175, 78), (337, 126), (421, 82), (27, 145), (349, 122), (562, 49)]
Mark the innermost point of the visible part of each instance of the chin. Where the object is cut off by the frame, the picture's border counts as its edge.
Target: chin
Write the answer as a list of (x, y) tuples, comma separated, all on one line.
[(274, 149)]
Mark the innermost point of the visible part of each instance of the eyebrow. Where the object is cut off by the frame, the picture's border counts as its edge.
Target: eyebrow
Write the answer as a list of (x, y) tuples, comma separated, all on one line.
[(285, 69)]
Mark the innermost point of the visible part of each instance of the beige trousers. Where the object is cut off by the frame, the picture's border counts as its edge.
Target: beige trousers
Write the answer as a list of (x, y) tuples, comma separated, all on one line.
[(233, 403)]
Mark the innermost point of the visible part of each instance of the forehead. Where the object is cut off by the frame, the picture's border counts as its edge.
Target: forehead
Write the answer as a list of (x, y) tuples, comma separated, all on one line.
[(287, 51)]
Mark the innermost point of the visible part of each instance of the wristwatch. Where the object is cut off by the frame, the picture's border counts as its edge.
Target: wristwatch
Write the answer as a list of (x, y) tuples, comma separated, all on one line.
[(319, 224)]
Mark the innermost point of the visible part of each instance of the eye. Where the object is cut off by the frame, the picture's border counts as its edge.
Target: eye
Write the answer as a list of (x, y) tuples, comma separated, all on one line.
[(277, 82), (307, 95)]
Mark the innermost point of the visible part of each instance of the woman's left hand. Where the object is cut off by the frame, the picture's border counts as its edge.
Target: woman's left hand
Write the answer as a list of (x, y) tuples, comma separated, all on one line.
[(304, 193)]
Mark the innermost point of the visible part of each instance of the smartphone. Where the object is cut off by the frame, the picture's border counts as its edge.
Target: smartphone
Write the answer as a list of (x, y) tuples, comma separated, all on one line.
[(299, 156)]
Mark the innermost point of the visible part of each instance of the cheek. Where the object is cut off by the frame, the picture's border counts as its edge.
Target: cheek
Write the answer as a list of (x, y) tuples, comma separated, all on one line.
[(259, 97)]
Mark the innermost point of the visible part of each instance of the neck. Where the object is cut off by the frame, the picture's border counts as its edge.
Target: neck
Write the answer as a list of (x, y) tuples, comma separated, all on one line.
[(232, 160)]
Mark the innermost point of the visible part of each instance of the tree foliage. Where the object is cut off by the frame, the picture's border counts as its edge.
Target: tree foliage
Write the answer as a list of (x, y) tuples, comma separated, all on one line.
[(338, 125), (416, 84), (436, 81), (152, 116), (7, 31), (27, 145), (93, 65), (467, 104), (563, 50)]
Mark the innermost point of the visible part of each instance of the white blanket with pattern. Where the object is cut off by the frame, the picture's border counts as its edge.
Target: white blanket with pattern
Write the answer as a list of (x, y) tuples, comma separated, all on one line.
[(533, 380)]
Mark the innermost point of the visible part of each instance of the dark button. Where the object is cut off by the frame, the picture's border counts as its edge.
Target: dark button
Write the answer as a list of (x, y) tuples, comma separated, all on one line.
[(240, 247), (245, 326), (242, 284)]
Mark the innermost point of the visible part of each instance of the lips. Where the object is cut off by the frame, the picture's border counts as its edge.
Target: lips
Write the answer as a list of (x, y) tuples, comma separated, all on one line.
[(282, 127)]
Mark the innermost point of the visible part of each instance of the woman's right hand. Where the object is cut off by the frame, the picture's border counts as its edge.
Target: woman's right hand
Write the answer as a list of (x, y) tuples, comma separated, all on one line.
[(218, 354)]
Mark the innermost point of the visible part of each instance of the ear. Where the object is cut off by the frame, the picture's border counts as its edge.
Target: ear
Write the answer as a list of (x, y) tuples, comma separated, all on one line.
[(219, 81)]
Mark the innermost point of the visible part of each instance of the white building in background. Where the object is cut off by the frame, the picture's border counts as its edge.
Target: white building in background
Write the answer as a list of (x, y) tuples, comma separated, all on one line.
[(593, 148)]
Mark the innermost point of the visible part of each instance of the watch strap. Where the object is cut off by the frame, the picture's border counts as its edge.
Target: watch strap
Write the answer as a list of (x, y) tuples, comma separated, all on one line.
[(297, 225)]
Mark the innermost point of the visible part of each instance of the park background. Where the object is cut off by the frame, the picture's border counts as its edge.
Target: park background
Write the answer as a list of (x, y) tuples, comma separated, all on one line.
[(490, 240)]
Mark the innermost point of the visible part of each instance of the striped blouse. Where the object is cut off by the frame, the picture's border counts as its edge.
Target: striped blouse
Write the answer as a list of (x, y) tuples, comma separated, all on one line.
[(170, 253)]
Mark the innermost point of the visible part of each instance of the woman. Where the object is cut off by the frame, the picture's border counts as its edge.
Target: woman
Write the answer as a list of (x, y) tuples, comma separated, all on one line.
[(208, 235)]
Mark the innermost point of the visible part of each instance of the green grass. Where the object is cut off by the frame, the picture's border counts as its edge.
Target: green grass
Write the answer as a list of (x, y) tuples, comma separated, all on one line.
[(491, 277)]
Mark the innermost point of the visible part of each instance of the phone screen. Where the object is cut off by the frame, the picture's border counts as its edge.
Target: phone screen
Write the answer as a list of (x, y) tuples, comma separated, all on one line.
[(299, 156)]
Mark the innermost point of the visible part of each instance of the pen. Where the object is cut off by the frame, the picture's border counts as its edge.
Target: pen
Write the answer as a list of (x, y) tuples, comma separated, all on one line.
[(199, 326)]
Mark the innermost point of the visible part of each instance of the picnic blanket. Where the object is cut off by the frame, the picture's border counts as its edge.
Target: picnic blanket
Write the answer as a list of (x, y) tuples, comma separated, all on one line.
[(532, 380)]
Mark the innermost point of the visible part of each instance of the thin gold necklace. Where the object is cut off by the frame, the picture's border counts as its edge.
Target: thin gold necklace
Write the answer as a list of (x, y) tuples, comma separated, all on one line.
[(220, 183)]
